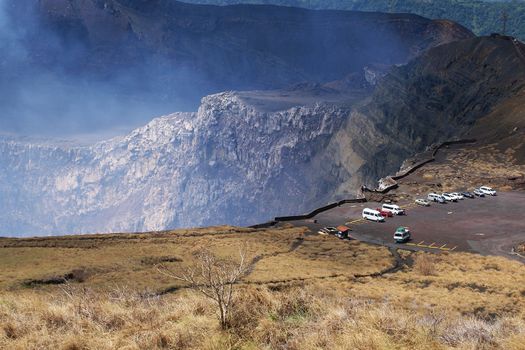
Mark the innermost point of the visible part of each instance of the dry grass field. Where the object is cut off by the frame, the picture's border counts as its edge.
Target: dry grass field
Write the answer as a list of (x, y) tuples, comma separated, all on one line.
[(103, 261), (301, 292)]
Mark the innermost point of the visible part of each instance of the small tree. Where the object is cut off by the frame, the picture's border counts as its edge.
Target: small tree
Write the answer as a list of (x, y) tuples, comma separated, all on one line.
[(425, 264), (214, 277)]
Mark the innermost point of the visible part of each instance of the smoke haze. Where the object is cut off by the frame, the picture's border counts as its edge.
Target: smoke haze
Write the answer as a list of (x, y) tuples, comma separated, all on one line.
[(71, 67), (51, 85)]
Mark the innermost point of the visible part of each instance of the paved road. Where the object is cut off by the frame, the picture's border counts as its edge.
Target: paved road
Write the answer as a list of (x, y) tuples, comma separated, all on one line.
[(490, 225)]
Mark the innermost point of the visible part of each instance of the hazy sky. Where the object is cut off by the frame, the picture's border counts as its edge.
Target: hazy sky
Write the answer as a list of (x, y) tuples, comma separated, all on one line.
[(44, 91)]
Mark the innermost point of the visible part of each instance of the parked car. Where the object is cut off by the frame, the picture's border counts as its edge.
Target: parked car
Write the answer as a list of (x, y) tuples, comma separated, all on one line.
[(373, 215), (343, 232), (394, 209), (457, 195), (434, 197), (385, 213), (478, 193), (467, 194), (332, 230), (422, 202), (487, 190), (402, 234), (328, 231), (448, 197)]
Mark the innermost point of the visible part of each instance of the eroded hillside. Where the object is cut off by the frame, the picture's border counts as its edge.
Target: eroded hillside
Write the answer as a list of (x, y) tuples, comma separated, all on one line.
[(465, 89)]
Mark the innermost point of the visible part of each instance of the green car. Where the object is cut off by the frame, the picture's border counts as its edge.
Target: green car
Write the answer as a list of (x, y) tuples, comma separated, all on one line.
[(402, 235)]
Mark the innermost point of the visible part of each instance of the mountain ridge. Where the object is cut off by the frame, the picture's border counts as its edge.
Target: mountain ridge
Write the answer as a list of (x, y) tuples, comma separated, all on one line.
[(92, 65)]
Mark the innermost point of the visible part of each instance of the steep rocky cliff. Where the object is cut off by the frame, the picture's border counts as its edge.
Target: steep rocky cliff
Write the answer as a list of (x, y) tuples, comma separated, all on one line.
[(227, 163), (469, 88)]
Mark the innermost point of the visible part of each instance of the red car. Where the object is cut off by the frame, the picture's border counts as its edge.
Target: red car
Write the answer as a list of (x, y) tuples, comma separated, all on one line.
[(385, 213)]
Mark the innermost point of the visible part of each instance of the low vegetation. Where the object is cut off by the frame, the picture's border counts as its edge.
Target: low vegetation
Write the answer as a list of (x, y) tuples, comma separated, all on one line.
[(482, 17), (501, 169), (296, 291)]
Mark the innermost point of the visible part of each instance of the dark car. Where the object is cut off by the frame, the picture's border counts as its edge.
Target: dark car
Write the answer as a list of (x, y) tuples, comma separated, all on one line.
[(468, 194)]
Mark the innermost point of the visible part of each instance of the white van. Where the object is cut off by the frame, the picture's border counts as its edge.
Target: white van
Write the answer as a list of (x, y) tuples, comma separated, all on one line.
[(434, 197), (374, 215), (394, 209)]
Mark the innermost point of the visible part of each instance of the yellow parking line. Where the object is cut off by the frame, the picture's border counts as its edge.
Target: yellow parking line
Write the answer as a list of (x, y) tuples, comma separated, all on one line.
[(431, 246)]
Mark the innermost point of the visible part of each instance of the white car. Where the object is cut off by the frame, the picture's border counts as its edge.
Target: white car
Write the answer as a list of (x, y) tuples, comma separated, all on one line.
[(487, 190), (394, 209), (478, 193), (436, 198), (423, 202), (457, 195), (328, 231), (402, 235), (449, 198)]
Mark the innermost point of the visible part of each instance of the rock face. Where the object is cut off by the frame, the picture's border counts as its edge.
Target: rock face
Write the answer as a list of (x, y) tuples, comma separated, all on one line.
[(227, 163), (470, 88)]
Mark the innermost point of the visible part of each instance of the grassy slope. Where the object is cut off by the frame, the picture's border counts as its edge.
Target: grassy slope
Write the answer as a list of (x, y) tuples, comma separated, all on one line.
[(301, 294), (108, 260)]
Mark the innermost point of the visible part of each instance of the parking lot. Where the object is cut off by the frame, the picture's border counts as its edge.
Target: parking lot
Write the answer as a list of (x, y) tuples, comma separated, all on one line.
[(490, 225)]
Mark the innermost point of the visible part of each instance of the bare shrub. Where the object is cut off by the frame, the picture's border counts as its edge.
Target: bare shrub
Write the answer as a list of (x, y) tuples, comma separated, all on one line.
[(55, 317), (273, 335), (82, 298), (471, 330), (214, 277), (432, 321), (73, 344), (425, 264), (295, 303), (78, 275), (249, 308), (11, 331)]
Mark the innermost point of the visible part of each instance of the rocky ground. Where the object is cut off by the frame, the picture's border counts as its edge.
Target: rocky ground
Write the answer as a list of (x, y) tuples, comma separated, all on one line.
[(466, 168)]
